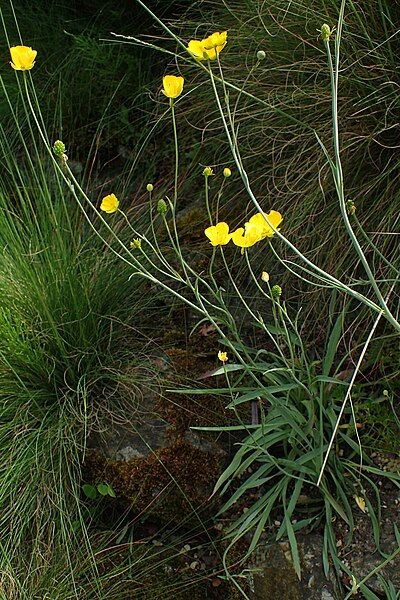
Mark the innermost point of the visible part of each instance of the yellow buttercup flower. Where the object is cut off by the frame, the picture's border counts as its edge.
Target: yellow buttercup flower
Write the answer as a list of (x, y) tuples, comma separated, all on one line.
[(109, 204), (209, 48), (222, 356), (246, 236), (274, 218), (196, 49), (216, 40), (172, 86), (218, 234), (22, 58)]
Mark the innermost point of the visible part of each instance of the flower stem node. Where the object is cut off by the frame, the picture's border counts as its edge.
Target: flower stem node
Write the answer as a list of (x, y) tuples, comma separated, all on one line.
[(276, 292), (136, 244), (261, 55), (227, 172), (326, 32), (149, 187), (208, 172), (162, 207)]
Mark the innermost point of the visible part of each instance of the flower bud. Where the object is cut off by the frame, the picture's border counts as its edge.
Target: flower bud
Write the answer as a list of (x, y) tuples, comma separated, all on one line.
[(208, 171), (149, 187), (58, 148), (162, 207), (351, 207), (136, 244), (227, 172), (276, 291), (326, 32), (261, 55), (265, 276)]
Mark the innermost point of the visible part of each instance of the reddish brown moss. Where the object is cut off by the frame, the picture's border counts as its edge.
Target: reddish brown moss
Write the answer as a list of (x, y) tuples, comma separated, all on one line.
[(177, 480)]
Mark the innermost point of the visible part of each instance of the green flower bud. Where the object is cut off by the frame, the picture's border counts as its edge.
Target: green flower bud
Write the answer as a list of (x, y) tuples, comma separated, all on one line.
[(261, 55), (276, 291), (351, 207), (162, 207), (136, 244), (326, 32), (227, 172), (58, 148), (149, 187), (208, 171)]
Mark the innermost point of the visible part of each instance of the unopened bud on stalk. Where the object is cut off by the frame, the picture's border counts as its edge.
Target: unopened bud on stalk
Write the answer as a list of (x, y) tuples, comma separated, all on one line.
[(261, 55), (227, 172), (162, 207), (351, 207), (265, 276), (58, 148), (149, 187), (208, 171), (326, 32), (276, 291)]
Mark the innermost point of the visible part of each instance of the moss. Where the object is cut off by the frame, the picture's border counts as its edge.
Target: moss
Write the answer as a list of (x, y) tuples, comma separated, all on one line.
[(175, 481)]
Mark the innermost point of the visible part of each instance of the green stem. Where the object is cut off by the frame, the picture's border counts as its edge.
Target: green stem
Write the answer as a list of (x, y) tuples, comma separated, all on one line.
[(336, 283), (171, 102)]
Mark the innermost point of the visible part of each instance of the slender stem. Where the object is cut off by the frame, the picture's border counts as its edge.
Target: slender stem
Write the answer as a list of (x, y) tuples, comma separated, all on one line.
[(338, 175), (340, 285), (171, 101)]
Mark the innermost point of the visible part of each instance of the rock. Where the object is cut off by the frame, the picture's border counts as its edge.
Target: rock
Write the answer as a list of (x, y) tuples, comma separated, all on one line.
[(277, 580), (149, 463)]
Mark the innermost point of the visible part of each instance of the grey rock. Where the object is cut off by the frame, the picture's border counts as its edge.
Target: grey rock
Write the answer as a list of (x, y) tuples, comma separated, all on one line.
[(275, 578)]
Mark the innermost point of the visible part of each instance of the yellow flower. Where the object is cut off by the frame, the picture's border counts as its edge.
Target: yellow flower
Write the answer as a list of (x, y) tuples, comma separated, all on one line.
[(172, 86), (265, 276), (274, 218), (109, 204), (208, 172), (22, 58), (136, 244), (227, 172), (209, 48), (222, 356), (247, 236), (216, 40), (218, 234)]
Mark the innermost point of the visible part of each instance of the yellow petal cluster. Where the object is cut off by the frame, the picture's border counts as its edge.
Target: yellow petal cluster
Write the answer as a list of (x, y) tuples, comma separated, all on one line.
[(109, 204), (210, 47), (172, 86), (222, 356), (259, 227), (218, 234), (22, 58)]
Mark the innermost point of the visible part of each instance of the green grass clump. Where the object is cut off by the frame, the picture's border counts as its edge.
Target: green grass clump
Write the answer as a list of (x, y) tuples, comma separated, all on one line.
[(66, 337)]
